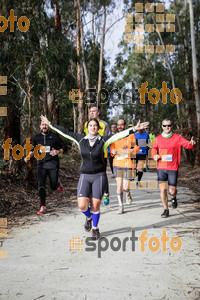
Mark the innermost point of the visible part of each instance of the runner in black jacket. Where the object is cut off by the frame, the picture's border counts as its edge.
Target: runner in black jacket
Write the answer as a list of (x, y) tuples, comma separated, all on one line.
[(93, 179), (49, 165)]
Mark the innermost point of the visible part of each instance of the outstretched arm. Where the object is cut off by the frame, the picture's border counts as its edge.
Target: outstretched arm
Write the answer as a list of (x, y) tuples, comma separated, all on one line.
[(124, 133), (187, 144), (74, 137)]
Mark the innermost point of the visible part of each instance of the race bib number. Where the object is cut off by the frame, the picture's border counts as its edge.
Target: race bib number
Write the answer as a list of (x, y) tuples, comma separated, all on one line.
[(122, 155), (47, 149), (167, 157), (142, 143)]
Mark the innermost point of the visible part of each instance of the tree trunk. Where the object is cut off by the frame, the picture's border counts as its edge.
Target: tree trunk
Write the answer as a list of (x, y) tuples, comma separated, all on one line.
[(58, 30), (197, 19), (56, 112), (78, 50), (44, 102), (195, 81), (12, 128), (93, 35), (30, 105), (101, 58), (87, 85), (185, 64), (169, 65), (83, 52), (58, 25), (50, 96), (75, 118)]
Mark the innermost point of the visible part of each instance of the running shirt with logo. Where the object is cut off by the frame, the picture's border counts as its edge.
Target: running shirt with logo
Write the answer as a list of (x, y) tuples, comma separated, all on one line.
[(170, 151), (142, 141), (123, 157)]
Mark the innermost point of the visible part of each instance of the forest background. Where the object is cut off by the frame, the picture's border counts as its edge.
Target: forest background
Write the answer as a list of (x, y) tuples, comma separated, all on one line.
[(64, 49)]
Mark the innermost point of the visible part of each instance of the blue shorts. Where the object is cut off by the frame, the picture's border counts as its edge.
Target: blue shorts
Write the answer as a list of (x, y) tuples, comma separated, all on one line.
[(92, 185), (126, 173), (168, 175)]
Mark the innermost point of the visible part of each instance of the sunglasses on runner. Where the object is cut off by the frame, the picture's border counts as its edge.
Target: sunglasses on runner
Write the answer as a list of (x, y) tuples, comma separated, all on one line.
[(167, 125)]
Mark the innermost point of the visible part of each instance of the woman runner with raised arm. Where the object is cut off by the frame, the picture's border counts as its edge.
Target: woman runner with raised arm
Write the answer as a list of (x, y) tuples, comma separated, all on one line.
[(93, 178)]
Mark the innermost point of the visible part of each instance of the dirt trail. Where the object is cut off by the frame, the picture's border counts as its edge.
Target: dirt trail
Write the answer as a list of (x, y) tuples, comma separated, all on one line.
[(40, 264)]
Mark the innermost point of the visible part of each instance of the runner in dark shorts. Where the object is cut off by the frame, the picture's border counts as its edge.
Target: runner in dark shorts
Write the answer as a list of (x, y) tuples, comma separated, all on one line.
[(166, 151), (142, 139), (93, 168)]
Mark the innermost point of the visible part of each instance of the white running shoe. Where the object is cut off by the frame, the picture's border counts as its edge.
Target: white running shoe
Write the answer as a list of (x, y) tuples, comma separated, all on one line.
[(129, 199), (120, 210)]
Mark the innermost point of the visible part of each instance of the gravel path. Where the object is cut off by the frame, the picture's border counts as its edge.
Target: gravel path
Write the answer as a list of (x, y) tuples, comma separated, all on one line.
[(41, 265)]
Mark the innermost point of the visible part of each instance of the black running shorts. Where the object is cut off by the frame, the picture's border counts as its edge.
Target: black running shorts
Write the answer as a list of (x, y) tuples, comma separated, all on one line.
[(92, 185), (140, 157), (168, 175)]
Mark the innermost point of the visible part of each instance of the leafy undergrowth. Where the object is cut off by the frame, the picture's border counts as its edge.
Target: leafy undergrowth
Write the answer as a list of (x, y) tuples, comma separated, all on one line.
[(190, 177), (17, 198)]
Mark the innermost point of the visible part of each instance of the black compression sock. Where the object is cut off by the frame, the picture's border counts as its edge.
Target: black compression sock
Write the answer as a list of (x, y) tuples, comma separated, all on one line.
[(140, 175)]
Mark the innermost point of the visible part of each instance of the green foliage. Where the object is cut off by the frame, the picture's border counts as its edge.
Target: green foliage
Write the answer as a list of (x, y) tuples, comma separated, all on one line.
[(153, 68)]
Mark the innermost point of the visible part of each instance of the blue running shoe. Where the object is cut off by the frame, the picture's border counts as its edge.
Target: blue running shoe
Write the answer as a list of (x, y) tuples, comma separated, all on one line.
[(138, 184), (106, 199)]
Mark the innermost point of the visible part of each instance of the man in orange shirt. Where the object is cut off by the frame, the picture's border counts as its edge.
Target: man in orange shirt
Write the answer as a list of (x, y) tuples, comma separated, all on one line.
[(123, 167)]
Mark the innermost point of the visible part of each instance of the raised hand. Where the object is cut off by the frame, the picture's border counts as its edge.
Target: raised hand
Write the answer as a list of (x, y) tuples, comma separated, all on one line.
[(45, 120), (140, 126), (192, 141)]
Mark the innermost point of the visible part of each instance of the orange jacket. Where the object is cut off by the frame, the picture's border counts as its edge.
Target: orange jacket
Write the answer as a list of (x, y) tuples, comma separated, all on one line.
[(126, 149)]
